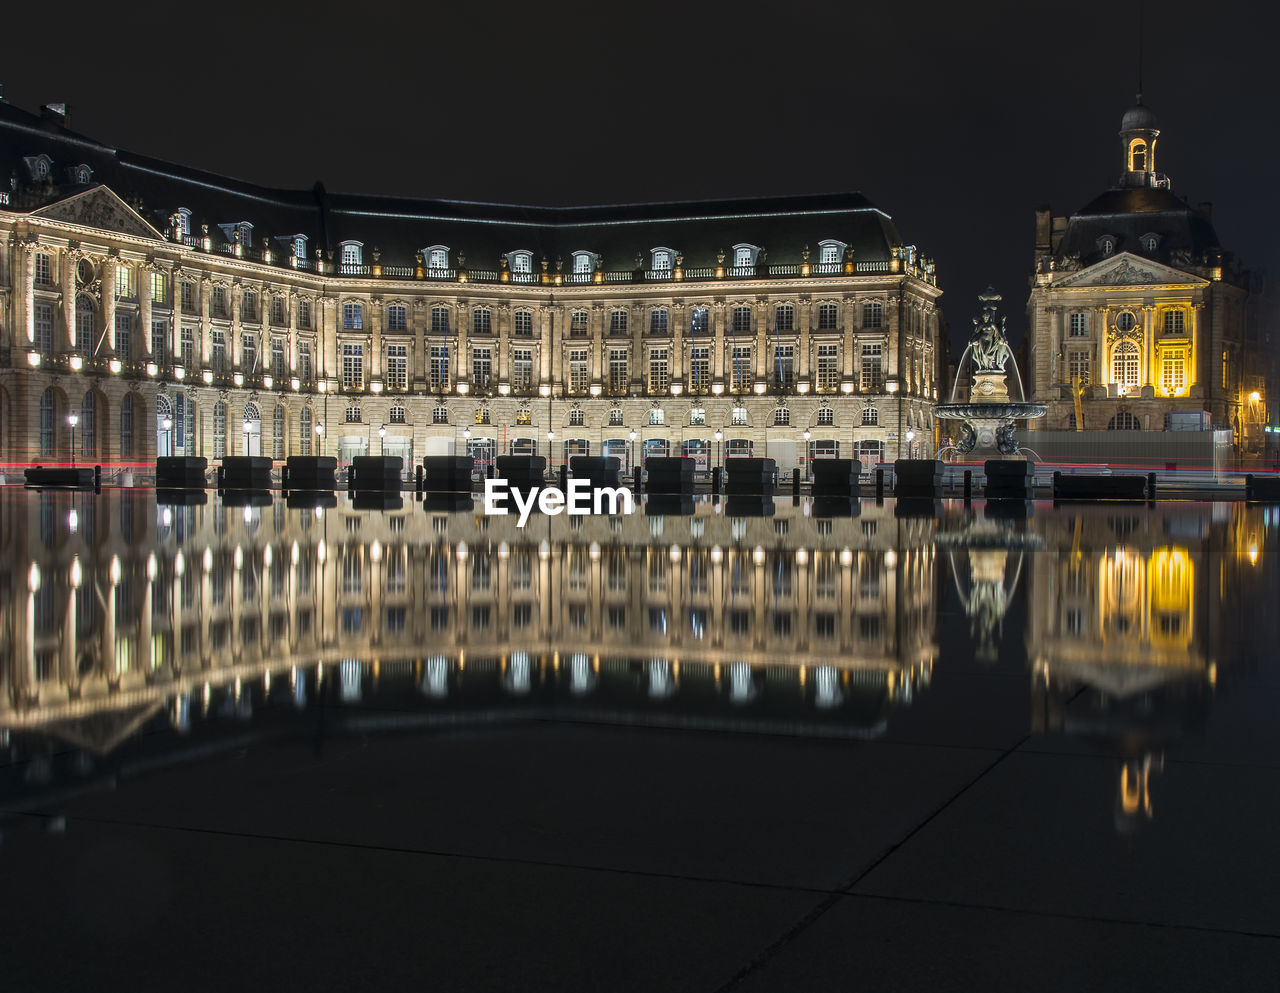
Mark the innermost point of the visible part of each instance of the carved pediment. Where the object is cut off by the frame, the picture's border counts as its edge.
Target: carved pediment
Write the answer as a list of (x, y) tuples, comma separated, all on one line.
[(1128, 270), (100, 208)]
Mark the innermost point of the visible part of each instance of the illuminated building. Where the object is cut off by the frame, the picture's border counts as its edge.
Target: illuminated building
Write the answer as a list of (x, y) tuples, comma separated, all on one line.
[(1136, 304), (180, 312)]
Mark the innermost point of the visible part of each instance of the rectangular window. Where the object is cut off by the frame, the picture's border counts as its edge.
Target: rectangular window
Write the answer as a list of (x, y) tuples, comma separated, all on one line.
[(1175, 322), (481, 367), (784, 360), (699, 368), (618, 370), (658, 321), (304, 361), (439, 320), (398, 367), (248, 306), (219, 301), (576, 418), (1078, 326), (739, 416), (784, 317), (1078, 366), (578, 322), (617, 322), (828, 368), (277, 310), (522, 368), (124, 335), (524, 322), (44, 327), (828, 317), (352, 316), (658, 371), (188, 346), (698, 416), (249, 353), (742, 375), (124, 282), (159, 334), (872, 372), (353, 367), (397, 317), (188, 297), (277, 358), (43, 272), (657, 416), (160, 288), (873, 314), (304, 314), (615, 416), (1173, 372), (826, 416), (440, 415), (439, 367), (481, 321), (577, 370), (741, 320)]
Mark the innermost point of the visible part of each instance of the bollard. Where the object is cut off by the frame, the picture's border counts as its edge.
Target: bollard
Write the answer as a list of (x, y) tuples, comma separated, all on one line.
[(97, 478), (879, 484), (968, 486), (218, 478), (284, 479), (351, 479), (417, 479), (1151, 488), (795, 482), (564, 478), (715, 480)]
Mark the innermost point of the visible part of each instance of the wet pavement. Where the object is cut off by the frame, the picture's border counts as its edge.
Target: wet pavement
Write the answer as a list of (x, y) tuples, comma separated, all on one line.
[(1026, 747)]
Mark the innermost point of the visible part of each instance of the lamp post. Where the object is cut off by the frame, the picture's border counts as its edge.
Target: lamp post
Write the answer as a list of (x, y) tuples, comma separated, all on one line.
[(807, 435), (320, 438), (73, 420), (911, 436), (631, 450), (719, 436), (382, 440), (551, 455), (246, 437), (167, 424)]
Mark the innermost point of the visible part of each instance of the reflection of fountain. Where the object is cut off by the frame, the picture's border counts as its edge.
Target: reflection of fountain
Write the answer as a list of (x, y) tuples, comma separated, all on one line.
[(989, 418)]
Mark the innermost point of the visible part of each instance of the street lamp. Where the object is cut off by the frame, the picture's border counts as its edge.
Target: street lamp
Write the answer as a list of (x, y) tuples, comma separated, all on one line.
[(167, 424), (73, 420), (246, 437), (911, 436), (807, 435), (631, 450), (382, 440), (551, 457), (320, 438), (719, 435)]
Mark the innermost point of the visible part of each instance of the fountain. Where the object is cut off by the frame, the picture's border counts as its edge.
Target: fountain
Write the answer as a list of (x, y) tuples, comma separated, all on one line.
[(989, 417)]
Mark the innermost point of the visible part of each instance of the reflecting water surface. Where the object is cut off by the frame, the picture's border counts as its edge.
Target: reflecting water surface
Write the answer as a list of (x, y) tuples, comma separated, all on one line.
[(835, 681)]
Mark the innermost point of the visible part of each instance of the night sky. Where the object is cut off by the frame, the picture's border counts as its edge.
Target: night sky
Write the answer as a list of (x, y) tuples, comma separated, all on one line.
[(956, 119)]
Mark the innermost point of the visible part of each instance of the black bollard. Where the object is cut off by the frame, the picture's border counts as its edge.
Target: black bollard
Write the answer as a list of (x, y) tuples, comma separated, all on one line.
[(564, 478), (417, 480), (284, 479), (795, 482), (879, 484), (968, 486), (351, 479), (97, 478), (1151, 488), (219, 477), (715, 480)]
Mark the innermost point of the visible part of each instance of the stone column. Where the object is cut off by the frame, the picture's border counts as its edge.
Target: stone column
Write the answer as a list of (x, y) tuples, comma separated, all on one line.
[(804, 340), (717, 330), (204, 345), (1148, 345), (144, 311), (764, 341), (26, 317), (677, 342), (596, 332), (107, 336), (67, 283), (376, 311)]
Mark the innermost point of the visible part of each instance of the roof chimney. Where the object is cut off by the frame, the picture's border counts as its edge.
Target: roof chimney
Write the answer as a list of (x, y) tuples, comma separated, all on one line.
[(59, 113)]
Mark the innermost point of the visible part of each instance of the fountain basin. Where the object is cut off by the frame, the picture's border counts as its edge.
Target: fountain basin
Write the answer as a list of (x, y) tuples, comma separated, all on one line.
[(1011, 411)]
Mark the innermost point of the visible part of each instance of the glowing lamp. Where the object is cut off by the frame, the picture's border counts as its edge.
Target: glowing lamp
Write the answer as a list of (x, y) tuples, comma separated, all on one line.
[(115, 366), (77, 363), (152, 368)]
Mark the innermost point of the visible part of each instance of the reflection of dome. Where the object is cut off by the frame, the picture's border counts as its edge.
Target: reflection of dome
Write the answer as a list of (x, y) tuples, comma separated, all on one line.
[(1138, 118)]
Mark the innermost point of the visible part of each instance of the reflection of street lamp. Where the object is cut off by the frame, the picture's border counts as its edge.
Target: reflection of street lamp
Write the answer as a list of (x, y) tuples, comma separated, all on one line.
[(807, 435), (382, 440), (631, 450), (719, 435), (551, 456), (73, 420)]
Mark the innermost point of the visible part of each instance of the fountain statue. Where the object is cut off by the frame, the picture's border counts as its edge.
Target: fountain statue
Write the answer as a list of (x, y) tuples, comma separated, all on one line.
[(989, 418)]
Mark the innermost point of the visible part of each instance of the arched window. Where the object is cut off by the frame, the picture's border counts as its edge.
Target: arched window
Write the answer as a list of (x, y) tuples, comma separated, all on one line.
[(164, 431), (521, 263), (1124, 421), (744, 256), (352, 253), (782, 416), (870, 415), (48, 423), (656, 415), (1124, 365), (352, 415), (1137, 155), (126, 426), (826, 415), (89, 426), (615, 415), (663, 259), (830, 253), (304, 431), (583, 263), (437, 257), (277, 432), (220, 430)]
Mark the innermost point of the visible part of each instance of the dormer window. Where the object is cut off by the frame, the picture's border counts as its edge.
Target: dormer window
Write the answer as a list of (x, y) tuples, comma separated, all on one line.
[(351, 253), (663, 259), (437, 257), (1107, 244), (38, 167), (521, 263), (82, 174), (184, 220), (246, 233), (300, 247), (744, 256), (1150, 241), (830, 252)]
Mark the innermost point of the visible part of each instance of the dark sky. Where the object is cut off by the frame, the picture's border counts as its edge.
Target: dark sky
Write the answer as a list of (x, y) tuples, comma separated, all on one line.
[(957, 119)]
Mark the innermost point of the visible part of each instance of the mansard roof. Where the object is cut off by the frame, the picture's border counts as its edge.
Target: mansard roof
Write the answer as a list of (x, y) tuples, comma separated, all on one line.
[(401, 226), (1184, 235)]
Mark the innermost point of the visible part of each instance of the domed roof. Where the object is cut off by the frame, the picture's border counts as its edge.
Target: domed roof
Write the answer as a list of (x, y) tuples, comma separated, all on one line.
[(1138, 118)]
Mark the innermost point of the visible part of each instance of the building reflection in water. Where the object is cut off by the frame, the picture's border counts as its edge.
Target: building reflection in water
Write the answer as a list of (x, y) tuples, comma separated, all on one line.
[(1135, 618), (118, 611), (118, 616)]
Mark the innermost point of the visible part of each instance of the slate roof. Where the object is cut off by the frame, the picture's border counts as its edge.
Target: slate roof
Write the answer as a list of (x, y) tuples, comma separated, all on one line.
[(401, 226), (1129, 213)]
